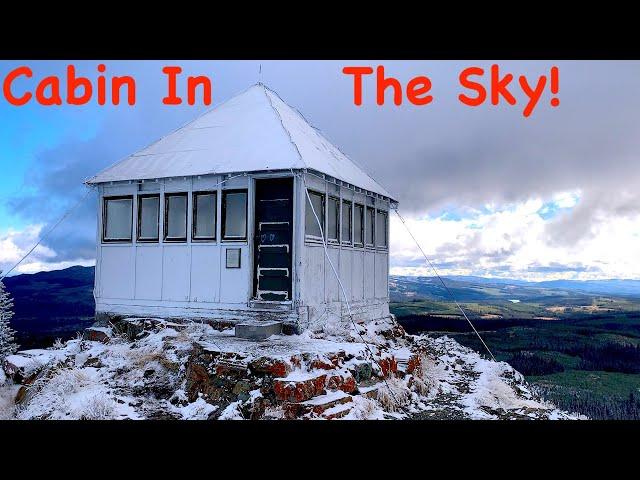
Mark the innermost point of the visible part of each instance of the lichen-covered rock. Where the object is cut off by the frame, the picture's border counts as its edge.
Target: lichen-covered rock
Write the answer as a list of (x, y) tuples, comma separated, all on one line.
[(361, 371), (300, 387), (343, 381)]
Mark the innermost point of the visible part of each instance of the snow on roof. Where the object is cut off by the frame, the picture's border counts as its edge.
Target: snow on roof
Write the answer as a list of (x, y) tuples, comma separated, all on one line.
[(253, 131)]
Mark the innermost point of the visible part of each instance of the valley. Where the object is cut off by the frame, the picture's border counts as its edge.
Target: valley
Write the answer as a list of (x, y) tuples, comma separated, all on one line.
[(578, 343), (578, 347)]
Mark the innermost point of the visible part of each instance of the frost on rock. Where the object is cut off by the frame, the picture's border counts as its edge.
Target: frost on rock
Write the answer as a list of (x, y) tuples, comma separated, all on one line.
[(154, 369)]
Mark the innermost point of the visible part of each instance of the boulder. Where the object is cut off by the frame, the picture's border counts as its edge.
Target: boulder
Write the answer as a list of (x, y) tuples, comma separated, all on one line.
[(343, 381), (361, 371), (18, 367), (269, 366), (97, 334), (299, 387)]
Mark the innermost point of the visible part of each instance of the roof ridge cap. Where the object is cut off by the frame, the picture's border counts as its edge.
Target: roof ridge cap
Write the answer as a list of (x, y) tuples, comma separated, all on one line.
[(318, 132), (277, 113)]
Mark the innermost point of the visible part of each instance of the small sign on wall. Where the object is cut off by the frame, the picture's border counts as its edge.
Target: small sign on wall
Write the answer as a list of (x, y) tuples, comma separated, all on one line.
[(233, 258)]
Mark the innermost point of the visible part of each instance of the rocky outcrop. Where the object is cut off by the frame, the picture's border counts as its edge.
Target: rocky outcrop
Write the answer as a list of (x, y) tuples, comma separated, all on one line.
[(155, 369)]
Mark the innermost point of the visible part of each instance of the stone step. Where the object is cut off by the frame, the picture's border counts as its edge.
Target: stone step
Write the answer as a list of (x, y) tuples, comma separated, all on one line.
[(257, 330), (337, 411), (225, 365), (323, 403), (299, 387), (370, 391), (265, 305), (318, 405)]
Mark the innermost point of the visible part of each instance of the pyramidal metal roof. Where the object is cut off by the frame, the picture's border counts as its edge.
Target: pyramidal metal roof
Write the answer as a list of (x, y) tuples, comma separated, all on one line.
[(253, 131)]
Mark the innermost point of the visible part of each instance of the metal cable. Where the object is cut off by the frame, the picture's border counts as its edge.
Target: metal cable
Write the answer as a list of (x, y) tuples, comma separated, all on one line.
[(444, 284), (344, 294)]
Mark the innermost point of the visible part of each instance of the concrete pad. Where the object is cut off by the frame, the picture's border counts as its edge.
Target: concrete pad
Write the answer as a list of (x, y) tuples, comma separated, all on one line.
[(258, 330)]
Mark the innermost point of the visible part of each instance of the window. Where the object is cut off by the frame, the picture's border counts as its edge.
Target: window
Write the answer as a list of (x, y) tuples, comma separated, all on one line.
[(358, 225), (205, 208), (117, 217), (175, 217), (312, 228), (148, 218), (347, 221), (333, 217), (234, 215), (382, 229), (371, 225)]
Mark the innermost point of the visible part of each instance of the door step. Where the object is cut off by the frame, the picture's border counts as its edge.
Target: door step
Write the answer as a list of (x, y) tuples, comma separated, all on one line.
[(271, 305), (256, 330)]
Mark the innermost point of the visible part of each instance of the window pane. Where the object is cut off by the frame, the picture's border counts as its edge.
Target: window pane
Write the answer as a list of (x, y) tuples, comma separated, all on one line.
[(176, 217), (381, 228), (358, 226), (235, 215), (118, 221), (311, 224), (205, 215), (371, 218), (346, 221), (333, 213), (149, 211)]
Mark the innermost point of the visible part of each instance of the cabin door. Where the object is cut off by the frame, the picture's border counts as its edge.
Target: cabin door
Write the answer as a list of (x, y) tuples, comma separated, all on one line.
[(272, 241)]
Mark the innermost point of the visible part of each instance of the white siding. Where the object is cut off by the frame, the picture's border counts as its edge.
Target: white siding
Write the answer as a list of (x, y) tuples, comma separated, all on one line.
[(149, 273), (117, 272), (235, 284), (175, 273), (358, 275), (369, 275), (205, 273), (363, 272)]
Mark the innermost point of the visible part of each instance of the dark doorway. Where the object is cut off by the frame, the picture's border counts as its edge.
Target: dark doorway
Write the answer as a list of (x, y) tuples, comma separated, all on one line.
[(272, 242)]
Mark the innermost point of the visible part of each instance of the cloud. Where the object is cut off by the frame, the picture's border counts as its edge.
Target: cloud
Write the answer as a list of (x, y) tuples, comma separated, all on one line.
[(513, 241), (15, 244), (521, 194)]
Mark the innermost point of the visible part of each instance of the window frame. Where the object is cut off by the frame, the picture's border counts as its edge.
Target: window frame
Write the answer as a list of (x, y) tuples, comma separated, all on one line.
[(373, 231), (350, 221), (139, 238), (338, 223), (168, 239), (105, 219), (322, 216), (385, 214), (223, 215), (362, 207), (194, 216)]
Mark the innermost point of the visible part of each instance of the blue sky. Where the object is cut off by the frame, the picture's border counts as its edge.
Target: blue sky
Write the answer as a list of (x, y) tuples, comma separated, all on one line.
[(31, 129), (488, 191)]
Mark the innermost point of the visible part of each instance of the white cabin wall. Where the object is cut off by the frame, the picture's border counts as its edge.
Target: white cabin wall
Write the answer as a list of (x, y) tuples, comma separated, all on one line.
[(362, 271), (191, 276), (173, 274)]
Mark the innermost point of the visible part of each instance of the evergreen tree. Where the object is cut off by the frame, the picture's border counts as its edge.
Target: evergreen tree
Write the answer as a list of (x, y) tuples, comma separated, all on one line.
[(7, 334)]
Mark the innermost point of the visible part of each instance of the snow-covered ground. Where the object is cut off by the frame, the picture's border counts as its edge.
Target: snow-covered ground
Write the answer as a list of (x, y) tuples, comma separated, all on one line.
[(153, 377)]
